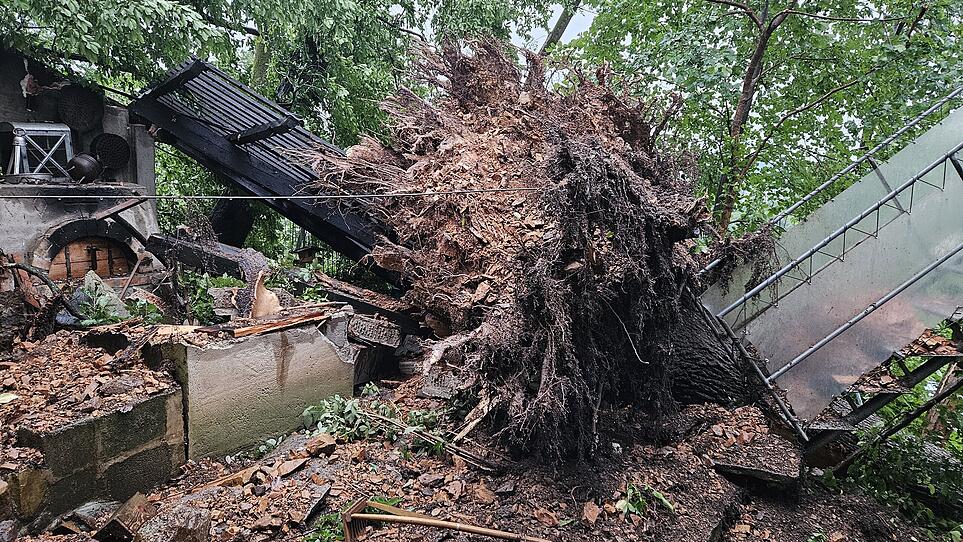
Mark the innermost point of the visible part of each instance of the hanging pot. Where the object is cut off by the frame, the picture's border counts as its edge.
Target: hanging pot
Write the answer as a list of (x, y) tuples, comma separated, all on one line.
[(84, 168)]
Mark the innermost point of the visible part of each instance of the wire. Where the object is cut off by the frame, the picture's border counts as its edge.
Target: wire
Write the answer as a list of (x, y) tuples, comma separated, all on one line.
[(255, 197)]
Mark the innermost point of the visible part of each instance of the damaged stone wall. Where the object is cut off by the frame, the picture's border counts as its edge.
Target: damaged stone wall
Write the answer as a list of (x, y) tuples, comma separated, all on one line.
[(240, 392)]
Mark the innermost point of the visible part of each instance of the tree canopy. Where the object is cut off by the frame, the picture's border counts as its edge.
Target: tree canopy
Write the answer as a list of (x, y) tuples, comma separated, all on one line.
[(779, 94), (330, 61)]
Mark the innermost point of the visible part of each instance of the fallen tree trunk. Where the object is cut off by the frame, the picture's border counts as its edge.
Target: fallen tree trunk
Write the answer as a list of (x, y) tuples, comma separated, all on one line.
[(232, 221), (705, 368)]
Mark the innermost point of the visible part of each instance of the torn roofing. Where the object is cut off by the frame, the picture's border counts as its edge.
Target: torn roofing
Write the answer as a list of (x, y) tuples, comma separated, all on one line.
[(252, 143)]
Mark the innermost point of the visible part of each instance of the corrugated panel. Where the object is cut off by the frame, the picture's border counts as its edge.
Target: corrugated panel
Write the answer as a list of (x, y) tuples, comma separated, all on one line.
[(227, 106)]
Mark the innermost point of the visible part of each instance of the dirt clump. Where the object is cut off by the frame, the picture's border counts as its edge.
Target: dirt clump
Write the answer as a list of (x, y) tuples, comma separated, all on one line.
[(550, 249)]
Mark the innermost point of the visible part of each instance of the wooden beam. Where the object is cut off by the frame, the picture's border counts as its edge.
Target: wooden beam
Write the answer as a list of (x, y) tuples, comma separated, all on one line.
[(218, 261), (178, 78), (119, 208), (264, 131), (280, 325)]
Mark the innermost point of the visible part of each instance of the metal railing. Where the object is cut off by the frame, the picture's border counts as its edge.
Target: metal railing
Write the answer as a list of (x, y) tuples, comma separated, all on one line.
[(865, 312), (776, 220), (800, 263)]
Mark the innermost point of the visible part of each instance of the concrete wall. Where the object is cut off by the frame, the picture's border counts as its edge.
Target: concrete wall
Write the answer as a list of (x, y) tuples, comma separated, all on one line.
[(27, 224), (42, 107), (111, 456), (24, 223), (241, 392)]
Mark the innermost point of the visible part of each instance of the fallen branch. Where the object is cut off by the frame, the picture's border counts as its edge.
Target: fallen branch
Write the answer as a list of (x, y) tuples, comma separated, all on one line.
[(356, 521), (440, 348), (467, 456), (40, 274)]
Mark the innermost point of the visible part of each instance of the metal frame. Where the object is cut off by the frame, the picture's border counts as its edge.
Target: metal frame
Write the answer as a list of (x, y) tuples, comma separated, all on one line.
[(866, 312), (724, 332), (807, 272), (778, 219), (23, 139)]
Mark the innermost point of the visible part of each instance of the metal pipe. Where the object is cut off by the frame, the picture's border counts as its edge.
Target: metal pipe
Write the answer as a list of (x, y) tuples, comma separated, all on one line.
[(866, 312), (848, 169), (751, 360), (785, 269)]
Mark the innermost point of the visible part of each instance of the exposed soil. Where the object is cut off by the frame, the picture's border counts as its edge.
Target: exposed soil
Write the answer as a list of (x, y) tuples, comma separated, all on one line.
[(683, 497), (837, 517)]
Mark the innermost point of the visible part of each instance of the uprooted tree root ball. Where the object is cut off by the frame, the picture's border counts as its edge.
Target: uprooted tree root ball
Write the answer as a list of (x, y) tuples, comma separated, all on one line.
[(566, 277)]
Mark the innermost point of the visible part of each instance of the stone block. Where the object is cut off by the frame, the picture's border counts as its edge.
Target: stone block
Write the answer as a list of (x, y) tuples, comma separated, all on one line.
[(180, 524), (335, 328), (67, 493), (374, 331), (138, 473), (243, 391), (9, 530), (65, 449), (121, 432), (27, 491)]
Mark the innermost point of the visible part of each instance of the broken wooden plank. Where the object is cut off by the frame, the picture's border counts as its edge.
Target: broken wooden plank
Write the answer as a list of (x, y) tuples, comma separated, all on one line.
[(282, 324), (365, 301), (119, 208)]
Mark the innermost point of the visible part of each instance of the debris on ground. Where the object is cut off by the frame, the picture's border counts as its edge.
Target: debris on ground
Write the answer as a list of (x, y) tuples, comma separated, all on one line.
[(569, 384), (60, 380), (634, 491)]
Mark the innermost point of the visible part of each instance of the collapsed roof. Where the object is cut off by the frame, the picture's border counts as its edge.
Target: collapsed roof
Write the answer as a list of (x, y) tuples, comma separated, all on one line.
[(252, 143)]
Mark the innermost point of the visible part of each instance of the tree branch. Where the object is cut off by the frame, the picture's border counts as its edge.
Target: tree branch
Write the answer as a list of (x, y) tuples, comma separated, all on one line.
[(916, 22), (227, 26), (741, 7), (568, 11), (841, 19), (397, 26), (54, 289), (798, 111)]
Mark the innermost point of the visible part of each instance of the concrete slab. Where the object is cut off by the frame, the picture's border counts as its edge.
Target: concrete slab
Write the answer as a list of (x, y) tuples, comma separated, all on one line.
[(240, 392)]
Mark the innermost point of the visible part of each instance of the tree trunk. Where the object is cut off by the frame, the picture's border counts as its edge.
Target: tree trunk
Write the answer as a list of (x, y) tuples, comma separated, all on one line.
[(568, 11), (260, 64), (232, 221), (750, 84), (706, 369)]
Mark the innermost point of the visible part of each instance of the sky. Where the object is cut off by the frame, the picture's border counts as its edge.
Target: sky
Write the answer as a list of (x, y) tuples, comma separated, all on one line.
[(580, 23)]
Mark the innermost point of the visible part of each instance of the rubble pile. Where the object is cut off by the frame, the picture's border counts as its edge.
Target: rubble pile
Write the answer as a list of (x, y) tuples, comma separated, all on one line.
[(554, 255), (60, 380), (635, 492)]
